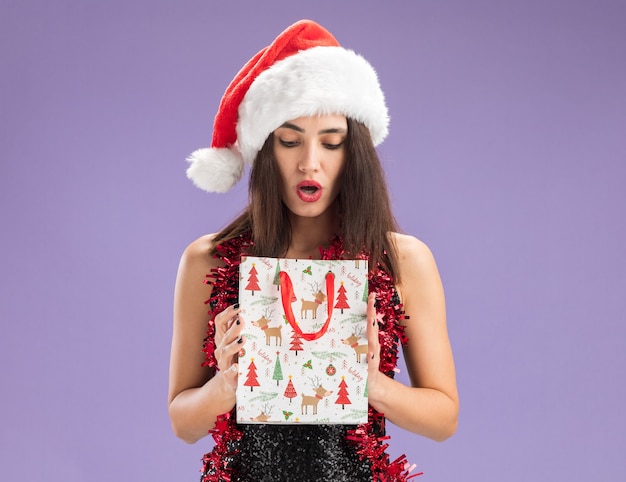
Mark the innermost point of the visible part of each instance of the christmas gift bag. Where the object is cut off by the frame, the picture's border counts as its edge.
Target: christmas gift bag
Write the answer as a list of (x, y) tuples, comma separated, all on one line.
[(305, 358)]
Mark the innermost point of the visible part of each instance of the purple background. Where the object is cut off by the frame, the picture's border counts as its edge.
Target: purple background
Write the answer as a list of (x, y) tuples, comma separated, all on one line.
[(506, 155)]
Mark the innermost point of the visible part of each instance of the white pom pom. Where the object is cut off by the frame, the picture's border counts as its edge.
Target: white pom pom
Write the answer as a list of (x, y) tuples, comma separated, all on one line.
[(215, 170)]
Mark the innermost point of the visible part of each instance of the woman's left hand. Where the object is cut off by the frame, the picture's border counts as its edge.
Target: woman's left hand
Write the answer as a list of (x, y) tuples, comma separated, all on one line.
[(373, 353)]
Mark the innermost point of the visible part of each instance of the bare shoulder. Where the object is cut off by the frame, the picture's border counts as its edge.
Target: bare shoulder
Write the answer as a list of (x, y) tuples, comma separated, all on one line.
[(412, 252), (196, 254), (418, 273), (198, 246)]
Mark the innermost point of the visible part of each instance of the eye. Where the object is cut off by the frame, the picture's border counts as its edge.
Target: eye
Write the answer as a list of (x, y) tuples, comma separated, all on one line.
[(333, 147), (286, 143)]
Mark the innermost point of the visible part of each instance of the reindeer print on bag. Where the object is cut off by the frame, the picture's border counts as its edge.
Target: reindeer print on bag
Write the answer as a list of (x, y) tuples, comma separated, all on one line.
[(353, 342), (265, 414), (269, 332), (312, 306), (320, 393)]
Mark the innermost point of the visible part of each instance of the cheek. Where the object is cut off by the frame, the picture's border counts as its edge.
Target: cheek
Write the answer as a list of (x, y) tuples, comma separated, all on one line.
[(282, 173), (284, 164), (283, 186), (337, 183), (339, 170)]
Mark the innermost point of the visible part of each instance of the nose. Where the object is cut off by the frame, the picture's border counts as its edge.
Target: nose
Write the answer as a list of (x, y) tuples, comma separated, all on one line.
[(309, 162)]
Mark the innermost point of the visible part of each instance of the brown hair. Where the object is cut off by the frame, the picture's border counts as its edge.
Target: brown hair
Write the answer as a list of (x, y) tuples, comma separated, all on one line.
[(363, 206)]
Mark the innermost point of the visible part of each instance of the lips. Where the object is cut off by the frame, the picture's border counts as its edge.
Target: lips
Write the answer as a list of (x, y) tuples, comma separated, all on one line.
[(309, 191)]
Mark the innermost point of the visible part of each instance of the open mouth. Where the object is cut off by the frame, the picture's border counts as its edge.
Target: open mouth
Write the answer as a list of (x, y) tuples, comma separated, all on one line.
[(309, 191)]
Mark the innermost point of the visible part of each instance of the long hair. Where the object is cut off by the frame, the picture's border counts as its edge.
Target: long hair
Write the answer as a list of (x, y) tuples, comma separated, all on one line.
[(363, 206)]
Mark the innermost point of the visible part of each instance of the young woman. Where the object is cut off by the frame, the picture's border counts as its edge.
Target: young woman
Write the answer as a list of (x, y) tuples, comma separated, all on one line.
[(306, 114)]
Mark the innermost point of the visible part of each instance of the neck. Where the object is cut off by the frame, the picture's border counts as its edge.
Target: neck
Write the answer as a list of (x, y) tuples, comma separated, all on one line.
[(309, 234)]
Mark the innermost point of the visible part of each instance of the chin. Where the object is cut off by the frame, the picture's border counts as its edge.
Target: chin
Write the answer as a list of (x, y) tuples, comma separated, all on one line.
[(311, 212), (307, 213), (299, 208)]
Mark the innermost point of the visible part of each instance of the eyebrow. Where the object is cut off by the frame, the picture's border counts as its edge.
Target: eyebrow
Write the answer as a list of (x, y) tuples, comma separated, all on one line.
[(332, 130)]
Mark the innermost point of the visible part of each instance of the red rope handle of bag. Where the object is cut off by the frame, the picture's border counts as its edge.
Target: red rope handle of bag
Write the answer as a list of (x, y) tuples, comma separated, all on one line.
[(287, 294)]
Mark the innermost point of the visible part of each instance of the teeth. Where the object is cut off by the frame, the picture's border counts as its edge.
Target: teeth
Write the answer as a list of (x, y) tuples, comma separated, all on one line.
[(309, 189)]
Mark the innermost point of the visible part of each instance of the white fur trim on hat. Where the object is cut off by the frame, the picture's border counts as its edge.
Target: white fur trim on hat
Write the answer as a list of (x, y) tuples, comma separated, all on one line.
[(215, 169), (318, 81)]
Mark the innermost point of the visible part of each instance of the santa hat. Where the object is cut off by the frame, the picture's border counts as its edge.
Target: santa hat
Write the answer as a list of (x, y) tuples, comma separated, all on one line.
[(304, 72)]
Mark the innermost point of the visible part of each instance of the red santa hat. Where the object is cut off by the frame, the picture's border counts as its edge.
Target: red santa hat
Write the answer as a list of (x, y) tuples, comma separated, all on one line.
[(304, 72)]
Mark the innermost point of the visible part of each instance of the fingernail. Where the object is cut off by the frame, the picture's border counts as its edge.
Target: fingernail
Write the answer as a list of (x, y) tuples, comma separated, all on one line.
[(236, 306), (238, 322), (240, 340), (373, 322), (372, 356)]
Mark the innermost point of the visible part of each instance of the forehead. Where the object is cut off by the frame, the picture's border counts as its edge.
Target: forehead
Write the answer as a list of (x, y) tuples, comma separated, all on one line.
[(313, 124)]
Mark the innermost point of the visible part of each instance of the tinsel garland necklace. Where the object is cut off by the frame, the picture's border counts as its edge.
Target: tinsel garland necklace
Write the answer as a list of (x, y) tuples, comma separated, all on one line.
[(369, 445)]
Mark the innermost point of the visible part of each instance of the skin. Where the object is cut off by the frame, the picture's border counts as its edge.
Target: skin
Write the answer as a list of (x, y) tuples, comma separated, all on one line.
[(311, 148)]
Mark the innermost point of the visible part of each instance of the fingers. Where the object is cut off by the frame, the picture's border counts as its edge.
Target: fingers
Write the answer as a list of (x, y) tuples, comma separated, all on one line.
[(228, 355), (373, 343), (225, 320), (231, 372), (229, 341)]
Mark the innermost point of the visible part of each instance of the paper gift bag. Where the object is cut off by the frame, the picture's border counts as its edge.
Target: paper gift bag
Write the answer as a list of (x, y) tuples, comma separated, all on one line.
[(305, 358)]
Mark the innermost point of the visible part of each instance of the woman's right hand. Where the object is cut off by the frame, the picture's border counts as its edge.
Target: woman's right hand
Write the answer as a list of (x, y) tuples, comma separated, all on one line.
[(198, 394), (228, 343)]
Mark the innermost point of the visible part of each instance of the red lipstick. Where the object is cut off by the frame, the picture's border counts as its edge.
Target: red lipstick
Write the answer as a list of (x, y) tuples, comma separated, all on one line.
[(309, 191)]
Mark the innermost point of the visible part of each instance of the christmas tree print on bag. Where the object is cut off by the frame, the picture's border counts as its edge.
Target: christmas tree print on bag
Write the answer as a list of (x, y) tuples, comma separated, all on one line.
[(305, 331)]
